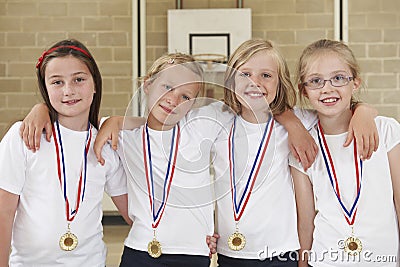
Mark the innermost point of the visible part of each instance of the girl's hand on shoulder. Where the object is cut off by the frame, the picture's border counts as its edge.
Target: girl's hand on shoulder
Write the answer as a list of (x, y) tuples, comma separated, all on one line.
[(362, 127), (212, 243), (302, 146), (301, 143), (37, 120), (109, 130)]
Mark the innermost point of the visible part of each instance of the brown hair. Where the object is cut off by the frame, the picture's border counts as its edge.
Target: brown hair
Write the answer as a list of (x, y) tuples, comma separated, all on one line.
[(285, 95), (79, 51)]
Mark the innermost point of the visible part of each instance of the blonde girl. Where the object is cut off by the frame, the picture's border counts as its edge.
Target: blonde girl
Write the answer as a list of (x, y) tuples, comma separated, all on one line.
[(357, 201), (169, 181), (256, 211)]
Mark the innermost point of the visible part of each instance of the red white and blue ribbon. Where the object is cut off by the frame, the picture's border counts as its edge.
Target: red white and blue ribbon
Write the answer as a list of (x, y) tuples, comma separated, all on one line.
[(169, 174), (62, 171), (349, 214), (239, 206)]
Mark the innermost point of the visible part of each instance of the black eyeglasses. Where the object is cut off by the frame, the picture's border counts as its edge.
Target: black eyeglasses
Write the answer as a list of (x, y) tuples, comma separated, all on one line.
[(336, 81)]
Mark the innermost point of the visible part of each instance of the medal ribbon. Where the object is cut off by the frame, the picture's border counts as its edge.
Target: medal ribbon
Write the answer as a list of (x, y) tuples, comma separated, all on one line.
[(238, 208), (349, 215), (62, 176), (157, 214)]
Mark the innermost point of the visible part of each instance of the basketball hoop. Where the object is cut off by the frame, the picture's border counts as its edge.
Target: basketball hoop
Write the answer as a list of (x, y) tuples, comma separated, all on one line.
[(210, 59)]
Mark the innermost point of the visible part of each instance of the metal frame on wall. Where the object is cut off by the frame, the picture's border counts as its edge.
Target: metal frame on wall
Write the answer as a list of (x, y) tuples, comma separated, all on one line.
[(341, 14), (227, 37), (179, 4), (138, 49)]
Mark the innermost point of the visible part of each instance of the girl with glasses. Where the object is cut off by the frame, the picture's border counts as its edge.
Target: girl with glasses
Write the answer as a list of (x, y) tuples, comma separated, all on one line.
[(347, 207)]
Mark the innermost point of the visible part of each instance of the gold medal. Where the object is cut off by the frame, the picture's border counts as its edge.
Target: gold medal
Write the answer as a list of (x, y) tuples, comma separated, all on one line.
[(236, 241), (68, 241), (154, 248), (353, 246)]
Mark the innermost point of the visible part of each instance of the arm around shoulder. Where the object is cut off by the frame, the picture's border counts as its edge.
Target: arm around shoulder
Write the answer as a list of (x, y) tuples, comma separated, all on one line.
[(110, 129), (37, 120), (362, 127), (301, 143)]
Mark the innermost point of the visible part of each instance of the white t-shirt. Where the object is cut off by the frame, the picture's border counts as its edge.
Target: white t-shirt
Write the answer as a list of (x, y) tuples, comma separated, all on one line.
[(375, 223), (41, 216), (188, 216), (269, 219)]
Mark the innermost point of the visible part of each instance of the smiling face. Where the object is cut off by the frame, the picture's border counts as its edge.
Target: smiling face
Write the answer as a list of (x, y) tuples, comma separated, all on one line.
[(256, 83), (70, 88), (329, 100), (170, 96)]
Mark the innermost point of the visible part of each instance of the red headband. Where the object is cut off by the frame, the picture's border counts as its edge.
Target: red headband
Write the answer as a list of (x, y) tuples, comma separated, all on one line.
[(40, 60)]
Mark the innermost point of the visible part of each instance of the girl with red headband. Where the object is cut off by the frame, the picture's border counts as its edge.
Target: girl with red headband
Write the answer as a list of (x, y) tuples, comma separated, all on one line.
[(50, 201)]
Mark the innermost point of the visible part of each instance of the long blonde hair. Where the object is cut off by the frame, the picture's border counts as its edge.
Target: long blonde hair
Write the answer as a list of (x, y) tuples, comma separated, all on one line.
[(285, 95)]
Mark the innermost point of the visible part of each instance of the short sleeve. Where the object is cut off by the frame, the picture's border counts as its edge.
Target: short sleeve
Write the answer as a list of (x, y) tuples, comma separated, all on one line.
[(13, 161), (295, 164), (390, 131), (116, 184), (102, 120), (307, 117), (209, 119)]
